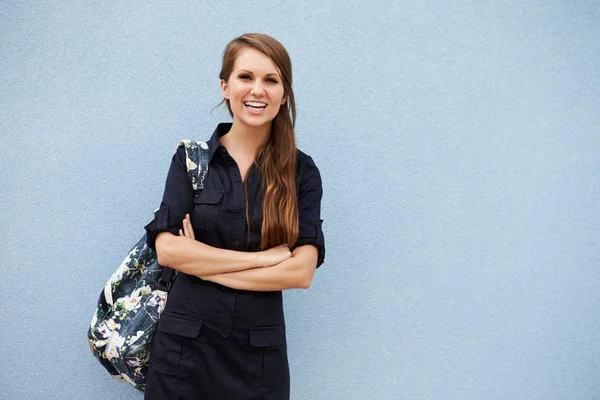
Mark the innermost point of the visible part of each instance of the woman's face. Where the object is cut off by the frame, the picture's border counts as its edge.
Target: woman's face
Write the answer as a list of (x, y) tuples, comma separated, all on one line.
[(254, 89)]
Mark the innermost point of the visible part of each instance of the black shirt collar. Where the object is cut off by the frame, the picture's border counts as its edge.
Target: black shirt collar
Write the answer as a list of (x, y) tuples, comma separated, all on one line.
[(213, 143)]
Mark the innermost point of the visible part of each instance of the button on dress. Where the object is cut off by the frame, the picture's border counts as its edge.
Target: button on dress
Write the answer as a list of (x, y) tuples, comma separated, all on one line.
[(213, 342)]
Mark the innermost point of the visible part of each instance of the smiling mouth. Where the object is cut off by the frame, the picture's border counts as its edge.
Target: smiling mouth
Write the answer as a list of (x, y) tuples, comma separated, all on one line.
[(255, 107)]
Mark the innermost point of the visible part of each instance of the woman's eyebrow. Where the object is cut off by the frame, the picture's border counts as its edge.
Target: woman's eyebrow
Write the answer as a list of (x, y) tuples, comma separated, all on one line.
[(252, 73)]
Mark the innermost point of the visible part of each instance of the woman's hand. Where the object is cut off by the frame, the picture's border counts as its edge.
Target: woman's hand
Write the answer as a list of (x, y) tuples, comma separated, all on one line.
[(188, 230), (267, 258), (274, 255)]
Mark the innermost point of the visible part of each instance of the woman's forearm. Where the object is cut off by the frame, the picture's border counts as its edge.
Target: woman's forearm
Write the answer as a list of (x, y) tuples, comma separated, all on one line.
[(294, 273), (196, 258), (256, 279)]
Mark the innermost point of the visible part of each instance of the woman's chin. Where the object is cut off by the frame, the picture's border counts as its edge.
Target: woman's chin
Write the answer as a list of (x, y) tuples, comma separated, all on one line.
[(255, 121)]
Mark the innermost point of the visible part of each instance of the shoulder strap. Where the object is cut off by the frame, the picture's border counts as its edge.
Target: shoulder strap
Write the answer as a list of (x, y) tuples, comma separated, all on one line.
[(196, 161)]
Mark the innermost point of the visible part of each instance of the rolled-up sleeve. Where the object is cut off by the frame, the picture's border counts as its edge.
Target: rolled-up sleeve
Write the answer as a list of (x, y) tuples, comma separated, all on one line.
[(309, 209), (176, 202)]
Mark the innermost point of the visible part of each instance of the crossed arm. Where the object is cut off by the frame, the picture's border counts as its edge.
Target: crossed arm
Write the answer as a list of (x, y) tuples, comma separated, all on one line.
[(273, 269)]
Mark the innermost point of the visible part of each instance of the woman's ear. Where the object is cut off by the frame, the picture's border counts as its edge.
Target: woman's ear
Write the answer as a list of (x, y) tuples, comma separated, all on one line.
[(225, 89), (283, 100)]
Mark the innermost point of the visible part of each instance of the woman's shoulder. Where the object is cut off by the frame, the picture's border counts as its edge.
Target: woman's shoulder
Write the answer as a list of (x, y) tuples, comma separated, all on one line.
[(304, 161), (307, 169)]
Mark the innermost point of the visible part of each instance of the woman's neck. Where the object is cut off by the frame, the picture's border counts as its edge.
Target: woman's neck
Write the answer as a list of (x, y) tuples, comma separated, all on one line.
[(242, 139)]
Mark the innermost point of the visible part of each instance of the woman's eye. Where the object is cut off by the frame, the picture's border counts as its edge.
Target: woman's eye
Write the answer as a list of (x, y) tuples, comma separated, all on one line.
[(243, 76), (271, 80)]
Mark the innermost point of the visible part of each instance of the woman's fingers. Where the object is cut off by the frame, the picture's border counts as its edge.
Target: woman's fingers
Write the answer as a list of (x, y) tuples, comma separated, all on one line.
[(190, 226), (186, 230), (187, 227)]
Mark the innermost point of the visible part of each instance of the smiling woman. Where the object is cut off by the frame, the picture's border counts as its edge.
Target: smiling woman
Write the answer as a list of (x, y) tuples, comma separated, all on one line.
[(253, 231), (254, 85)]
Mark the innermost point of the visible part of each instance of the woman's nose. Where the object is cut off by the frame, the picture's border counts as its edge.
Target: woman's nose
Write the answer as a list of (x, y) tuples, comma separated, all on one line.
[(257, 90)]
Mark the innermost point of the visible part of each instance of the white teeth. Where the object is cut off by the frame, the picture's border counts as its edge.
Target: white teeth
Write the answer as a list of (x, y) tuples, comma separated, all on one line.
[(255, 104)]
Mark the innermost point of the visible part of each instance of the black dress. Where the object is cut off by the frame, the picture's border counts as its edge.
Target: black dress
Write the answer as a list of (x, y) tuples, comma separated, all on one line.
[(213, 342)]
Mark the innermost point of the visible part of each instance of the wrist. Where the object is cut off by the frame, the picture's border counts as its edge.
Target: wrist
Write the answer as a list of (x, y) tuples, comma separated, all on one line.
[(258, 260)]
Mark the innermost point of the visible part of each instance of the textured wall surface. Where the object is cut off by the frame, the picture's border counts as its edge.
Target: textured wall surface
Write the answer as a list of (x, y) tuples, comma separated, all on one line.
[(459, 146)]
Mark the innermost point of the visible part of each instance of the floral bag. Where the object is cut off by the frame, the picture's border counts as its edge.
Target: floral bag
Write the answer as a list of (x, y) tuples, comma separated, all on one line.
[(134, 297)]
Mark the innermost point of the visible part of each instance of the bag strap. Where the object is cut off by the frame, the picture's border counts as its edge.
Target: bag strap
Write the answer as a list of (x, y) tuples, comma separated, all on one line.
[(196, 162)]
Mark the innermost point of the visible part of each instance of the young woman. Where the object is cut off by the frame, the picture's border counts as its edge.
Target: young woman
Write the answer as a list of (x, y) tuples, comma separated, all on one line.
[(253, 231)]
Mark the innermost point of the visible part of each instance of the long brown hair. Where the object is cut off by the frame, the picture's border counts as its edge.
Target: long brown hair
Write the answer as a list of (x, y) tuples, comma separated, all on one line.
[(277, 158)]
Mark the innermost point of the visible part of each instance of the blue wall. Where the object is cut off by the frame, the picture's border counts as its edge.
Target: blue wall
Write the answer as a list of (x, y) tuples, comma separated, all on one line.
[(459, 146)]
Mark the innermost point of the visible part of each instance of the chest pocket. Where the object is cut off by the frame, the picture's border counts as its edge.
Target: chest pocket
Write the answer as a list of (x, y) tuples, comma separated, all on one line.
[(207, 207)]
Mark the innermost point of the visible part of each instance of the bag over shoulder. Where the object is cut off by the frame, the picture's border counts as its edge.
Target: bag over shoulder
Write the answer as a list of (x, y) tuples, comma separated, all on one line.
[(131, 302)]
